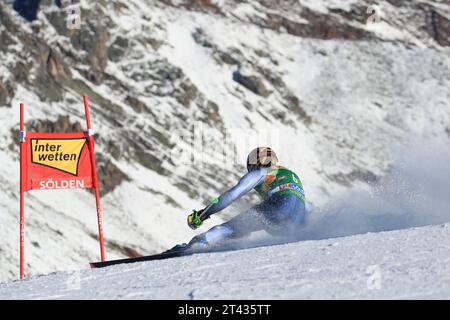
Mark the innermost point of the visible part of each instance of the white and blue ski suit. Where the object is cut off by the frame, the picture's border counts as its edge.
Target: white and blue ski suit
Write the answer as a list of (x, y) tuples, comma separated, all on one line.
[(281, 213)]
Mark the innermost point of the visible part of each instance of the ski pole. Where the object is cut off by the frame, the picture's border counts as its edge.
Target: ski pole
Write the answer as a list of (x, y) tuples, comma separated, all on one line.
[(214, 201)]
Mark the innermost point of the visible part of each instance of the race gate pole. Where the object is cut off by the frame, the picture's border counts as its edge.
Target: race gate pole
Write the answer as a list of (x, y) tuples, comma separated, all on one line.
[(90, 134), (22, 190)]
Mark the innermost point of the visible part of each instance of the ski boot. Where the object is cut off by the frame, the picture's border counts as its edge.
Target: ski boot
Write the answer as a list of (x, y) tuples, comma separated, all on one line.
[(179, 248)]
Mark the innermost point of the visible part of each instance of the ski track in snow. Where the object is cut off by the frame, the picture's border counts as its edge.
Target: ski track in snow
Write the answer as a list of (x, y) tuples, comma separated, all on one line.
[(406, 266)]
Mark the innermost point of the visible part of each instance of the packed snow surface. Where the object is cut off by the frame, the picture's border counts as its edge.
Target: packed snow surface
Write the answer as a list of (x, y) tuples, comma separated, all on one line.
[(386, 265)]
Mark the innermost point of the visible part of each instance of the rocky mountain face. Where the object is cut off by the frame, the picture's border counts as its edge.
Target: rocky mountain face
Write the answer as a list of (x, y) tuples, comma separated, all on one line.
[(181, 90)]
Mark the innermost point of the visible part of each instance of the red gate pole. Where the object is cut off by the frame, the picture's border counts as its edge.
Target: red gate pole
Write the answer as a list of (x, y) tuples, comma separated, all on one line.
[(90, 134), (22, 190)]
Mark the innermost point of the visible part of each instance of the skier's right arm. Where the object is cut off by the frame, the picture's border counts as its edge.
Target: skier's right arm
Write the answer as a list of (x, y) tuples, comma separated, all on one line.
[(245, 184)]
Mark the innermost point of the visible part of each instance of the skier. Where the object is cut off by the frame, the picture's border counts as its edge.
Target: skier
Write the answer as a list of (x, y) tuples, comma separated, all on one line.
[(281, 212)]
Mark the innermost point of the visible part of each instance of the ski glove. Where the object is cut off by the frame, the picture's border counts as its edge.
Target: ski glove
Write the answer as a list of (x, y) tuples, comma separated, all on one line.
[(195, 220)]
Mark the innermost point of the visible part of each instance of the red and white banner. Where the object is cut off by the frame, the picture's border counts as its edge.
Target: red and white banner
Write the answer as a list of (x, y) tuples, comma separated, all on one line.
[(57, 161), (50, 161)]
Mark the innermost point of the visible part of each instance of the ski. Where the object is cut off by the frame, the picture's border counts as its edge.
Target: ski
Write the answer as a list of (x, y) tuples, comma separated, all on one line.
[(159, 256), (168, 254)]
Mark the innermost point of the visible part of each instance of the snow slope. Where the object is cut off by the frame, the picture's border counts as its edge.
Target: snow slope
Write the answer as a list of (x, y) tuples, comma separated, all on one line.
[(386, 265)]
